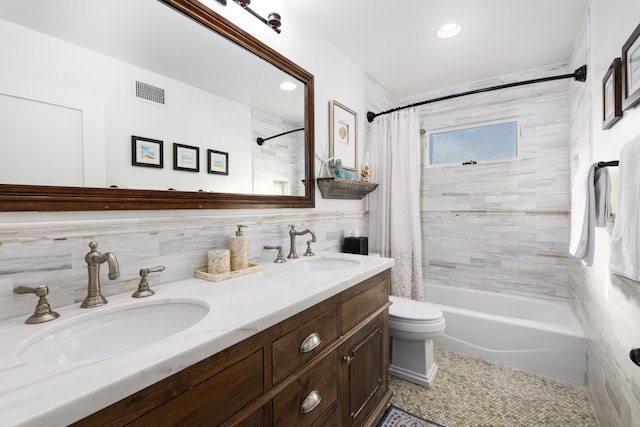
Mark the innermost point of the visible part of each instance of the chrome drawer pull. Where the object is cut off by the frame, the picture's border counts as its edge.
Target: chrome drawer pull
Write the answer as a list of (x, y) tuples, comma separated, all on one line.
[(310, 402), (310, 342)]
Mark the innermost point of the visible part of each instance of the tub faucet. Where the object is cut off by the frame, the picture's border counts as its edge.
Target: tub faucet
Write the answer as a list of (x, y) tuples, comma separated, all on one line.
[(94, 259), (292, 234)]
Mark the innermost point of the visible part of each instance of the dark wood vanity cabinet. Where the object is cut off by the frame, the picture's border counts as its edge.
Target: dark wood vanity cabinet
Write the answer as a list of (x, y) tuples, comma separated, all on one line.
[(325, 366), (366, 371)]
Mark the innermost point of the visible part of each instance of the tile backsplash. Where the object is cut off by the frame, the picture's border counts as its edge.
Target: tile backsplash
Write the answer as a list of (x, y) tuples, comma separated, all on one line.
[(52, 253)]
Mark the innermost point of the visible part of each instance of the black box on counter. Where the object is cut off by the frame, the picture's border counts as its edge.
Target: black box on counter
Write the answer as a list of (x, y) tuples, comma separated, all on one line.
[(356, 245)]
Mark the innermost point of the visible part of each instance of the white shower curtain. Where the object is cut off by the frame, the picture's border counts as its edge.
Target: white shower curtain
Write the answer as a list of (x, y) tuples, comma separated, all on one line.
[(394, 208)]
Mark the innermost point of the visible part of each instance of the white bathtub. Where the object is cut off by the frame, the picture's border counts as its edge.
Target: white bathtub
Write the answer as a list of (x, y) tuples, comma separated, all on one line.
[(534, 335)]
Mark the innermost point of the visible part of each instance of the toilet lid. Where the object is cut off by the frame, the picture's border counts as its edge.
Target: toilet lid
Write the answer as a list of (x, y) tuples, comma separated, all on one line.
[(413, 311)]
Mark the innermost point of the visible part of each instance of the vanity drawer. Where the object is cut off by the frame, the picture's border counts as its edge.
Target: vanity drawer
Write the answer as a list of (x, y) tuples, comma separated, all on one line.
[(360, 306), (303, 343), (214, 400), (316, 391)]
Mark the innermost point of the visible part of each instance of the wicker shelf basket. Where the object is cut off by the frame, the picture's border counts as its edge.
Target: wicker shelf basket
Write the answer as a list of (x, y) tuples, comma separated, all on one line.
[(340, 188)]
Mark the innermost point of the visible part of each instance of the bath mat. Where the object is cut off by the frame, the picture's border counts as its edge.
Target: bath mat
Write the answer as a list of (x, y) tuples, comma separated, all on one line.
[(396, 417)]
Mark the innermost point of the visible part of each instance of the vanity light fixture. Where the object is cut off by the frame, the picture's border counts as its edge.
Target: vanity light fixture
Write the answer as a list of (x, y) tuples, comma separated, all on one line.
[(448, 30), (273, 14)]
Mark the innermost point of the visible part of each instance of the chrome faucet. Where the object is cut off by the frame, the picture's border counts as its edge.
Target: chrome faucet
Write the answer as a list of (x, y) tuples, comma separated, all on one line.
[(94, 259), (292, 235)]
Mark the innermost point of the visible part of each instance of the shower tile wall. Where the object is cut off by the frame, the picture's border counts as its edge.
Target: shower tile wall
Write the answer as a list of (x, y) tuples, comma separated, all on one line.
[(502, 227), (52, 253)]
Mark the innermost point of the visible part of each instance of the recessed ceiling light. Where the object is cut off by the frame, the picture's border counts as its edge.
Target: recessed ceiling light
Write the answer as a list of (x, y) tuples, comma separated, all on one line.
[(449, 30), (288, 86)]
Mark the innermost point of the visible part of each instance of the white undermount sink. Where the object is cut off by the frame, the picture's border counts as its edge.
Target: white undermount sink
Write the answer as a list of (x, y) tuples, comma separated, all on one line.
[(111, 330), (326, 264)]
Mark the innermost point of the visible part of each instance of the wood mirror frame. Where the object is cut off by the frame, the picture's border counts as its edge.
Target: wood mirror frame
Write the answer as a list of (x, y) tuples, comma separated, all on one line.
[(51, 198)]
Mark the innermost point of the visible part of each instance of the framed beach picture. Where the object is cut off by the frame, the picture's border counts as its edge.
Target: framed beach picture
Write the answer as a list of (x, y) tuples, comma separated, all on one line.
[(146, 152), (217, 162), (186, 158), (631, 70), (343, 143), (612, 95)]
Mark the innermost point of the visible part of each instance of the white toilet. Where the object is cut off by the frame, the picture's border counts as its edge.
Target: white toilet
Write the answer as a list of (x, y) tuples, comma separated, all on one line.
[(412, 326)]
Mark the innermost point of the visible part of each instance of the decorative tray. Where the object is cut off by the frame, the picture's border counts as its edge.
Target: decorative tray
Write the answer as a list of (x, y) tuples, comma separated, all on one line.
[(203, 274)]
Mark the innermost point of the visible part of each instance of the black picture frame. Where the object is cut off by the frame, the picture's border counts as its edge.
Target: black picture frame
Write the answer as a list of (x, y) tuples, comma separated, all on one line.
[(217, 162), (631, 70), (612, 95), (186, 158), (147, 152)]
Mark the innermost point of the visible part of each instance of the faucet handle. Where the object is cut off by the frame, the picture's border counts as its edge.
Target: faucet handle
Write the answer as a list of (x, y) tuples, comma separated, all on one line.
[(43, 312), (144, 272), (143, 286), (279, 259)]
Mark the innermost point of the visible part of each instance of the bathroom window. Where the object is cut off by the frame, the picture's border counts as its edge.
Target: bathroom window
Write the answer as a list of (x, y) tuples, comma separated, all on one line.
[(486, 143)]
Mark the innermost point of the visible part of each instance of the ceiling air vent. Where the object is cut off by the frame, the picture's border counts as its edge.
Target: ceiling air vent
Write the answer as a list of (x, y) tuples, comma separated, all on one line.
[(149, 93)]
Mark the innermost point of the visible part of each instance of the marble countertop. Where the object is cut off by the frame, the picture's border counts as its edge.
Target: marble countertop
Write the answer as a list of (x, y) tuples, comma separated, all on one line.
[(53, 394)]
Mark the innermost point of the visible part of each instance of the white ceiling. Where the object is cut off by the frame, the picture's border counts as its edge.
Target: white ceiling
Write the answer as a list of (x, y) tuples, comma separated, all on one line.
[(394, 41)]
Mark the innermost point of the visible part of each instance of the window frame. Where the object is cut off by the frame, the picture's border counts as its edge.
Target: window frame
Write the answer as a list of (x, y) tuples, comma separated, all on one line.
[(428, 133)]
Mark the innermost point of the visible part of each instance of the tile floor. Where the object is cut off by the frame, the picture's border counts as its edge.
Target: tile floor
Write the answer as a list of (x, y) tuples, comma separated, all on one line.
[(470, 392)]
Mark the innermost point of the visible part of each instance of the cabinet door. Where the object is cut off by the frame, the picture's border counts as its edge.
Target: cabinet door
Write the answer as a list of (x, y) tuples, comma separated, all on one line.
[(364, 359)]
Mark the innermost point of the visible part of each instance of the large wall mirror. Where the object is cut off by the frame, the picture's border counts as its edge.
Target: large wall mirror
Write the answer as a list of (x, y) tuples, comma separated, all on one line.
[(147, 104)]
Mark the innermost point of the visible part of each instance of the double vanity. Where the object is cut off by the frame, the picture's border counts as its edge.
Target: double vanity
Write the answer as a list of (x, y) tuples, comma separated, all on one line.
[(299, 343)]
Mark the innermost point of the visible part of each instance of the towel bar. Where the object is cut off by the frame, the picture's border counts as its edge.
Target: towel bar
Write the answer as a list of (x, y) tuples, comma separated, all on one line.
[(605, 164), (635, 356)]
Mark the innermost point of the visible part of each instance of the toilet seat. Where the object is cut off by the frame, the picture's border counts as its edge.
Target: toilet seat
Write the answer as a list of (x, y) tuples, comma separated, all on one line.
[(410, 311)]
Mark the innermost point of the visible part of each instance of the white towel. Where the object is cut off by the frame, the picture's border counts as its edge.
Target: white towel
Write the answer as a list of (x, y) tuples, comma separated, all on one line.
[(603, 196), (583, 212), (624, 257)]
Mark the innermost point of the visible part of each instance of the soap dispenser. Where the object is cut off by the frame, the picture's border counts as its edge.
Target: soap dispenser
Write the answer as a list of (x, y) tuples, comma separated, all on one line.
[(239, 248)]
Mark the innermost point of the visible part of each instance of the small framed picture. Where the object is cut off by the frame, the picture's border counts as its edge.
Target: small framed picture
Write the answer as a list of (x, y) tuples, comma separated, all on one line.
[(217, 162), (186, 158), (146, 152), (343, 143), (612, 95), (631, 70)]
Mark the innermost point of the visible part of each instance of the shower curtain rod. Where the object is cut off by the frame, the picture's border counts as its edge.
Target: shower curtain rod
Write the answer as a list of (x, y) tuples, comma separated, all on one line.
[(580, 75), (261, 141)]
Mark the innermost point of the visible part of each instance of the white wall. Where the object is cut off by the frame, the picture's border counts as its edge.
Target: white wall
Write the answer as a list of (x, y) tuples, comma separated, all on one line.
[(608, 306)]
